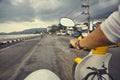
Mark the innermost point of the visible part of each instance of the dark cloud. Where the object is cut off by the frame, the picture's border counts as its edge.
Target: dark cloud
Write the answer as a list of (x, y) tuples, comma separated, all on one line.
[(103, 11), (62, 11), (100, 9), (23, 11)]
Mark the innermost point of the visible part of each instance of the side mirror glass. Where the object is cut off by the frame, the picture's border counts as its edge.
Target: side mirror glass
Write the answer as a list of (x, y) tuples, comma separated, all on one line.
[(67, 22)]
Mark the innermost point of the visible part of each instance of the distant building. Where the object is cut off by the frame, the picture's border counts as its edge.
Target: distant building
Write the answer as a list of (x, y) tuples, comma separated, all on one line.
[(82, 27), (69, 30), (49, 28)]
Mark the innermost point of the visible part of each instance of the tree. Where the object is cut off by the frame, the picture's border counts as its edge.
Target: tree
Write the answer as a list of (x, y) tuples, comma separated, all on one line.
[(61, 27), (53, 29)]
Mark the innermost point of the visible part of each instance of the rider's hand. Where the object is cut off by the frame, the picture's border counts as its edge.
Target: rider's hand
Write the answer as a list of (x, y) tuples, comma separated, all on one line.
[(75, 43)]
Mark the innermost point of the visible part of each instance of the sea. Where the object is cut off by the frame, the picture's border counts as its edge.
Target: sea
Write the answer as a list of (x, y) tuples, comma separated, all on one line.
[(9, 37)]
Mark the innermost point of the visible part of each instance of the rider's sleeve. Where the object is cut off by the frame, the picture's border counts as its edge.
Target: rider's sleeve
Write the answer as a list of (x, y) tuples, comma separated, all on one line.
[(111, 27)]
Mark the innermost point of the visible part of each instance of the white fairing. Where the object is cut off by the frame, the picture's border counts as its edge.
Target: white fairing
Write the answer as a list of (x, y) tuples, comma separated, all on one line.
[(91, 60), (42, 74)]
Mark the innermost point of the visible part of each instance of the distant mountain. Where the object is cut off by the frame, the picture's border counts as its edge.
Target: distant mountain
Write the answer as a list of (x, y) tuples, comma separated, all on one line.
[(2, 33), (28, 31), (34, 30)]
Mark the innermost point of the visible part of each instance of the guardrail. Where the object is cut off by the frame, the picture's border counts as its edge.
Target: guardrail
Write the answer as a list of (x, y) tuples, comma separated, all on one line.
[(9, 42)]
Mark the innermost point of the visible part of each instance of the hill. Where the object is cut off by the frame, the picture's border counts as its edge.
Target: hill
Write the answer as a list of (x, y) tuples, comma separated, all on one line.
[(28, 31)]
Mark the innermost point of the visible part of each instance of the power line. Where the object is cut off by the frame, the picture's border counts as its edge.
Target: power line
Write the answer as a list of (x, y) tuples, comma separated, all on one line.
[(77, 16), (68, 14), (84, 6), (73, 10)]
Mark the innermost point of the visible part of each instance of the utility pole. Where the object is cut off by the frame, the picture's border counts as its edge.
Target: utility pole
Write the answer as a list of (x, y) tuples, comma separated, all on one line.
[(86, 7)]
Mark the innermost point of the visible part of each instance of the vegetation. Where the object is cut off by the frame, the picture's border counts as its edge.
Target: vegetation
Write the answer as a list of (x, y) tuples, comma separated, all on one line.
[(53, 29), (58, 27)]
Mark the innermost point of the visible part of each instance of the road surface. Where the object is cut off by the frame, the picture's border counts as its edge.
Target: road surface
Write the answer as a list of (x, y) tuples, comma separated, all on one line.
[(50, 52)]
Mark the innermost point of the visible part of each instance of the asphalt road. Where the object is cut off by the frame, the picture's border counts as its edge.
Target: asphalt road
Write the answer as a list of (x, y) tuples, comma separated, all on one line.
[(52, 53), (11, 57), (49, 52)]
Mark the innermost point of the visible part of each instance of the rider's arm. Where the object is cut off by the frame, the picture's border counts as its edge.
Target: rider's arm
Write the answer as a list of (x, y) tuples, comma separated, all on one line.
[(108, 33), (94, 39)]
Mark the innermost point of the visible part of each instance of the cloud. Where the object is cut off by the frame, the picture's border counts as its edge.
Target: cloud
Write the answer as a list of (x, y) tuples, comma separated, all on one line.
[(27, 10), (45, 4), (24, 14), (52, 10), (99, 9), (104, 8), (15, 11), (20, 26)]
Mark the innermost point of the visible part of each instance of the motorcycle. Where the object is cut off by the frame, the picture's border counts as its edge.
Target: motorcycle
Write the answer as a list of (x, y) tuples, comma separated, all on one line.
[(94, 66)]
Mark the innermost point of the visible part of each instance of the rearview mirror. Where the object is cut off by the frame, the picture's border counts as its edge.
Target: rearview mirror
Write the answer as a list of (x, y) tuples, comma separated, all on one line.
[(67, 22)]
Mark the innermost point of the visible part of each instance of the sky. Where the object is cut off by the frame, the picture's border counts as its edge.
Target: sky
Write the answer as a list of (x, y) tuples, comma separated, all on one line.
[(18, 15)]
